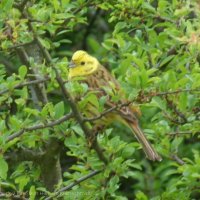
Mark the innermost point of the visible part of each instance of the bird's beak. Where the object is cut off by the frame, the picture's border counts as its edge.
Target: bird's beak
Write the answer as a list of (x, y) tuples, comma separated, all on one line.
[(72, 64)]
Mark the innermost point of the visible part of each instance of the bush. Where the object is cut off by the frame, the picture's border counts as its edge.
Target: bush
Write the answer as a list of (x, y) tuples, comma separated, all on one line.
[(151, 47)]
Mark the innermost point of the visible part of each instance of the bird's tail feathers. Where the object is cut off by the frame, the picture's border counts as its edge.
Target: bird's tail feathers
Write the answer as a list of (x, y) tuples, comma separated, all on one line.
[(148, 149)]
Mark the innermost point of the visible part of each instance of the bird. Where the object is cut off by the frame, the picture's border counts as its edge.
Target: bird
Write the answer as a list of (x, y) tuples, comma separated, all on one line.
[(99, 80)]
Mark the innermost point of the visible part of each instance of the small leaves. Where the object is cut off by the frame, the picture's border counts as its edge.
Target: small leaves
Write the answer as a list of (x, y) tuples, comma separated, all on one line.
[(32, 193), (6, 5), (3, 168), (22, 72), (59, 109)]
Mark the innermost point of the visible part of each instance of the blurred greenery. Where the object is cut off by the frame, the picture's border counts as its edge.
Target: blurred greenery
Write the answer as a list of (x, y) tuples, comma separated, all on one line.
[(152, 47)]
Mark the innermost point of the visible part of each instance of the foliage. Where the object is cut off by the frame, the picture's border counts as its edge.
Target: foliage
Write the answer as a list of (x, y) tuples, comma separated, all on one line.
[(152, 48)]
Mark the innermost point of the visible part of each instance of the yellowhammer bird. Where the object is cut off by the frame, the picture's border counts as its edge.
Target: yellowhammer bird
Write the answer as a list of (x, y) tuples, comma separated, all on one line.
[(98, 79)]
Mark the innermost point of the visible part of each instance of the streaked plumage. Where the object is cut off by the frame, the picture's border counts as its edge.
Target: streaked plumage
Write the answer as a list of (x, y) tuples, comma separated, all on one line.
[(97, 77)]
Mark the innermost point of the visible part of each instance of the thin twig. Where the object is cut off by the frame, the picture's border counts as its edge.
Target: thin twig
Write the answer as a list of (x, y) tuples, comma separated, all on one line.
[(146, 97), (118, 106), (14, 195), (174, 107), (40, 126), (146, 38), (175, 92), (165, 19), (172, 119), (19, 45), (25, 84), (177, 159), (181, 133), (76, 182)]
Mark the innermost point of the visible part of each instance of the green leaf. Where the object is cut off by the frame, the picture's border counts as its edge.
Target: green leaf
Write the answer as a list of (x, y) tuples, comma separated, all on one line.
[(158, 102), (119, 26), (138, 62), (144, 78), (78, 130), (183, 101), (55, 4), (102, 102), (15, 122), (90, 98), (3, 168), (7, 4), (47, 109), (59, 109), (45, 43), (175, 144), (22, 71), (113, 184), (141, 196), (166, 60), (22, 181), (32, 193), (128, 151)]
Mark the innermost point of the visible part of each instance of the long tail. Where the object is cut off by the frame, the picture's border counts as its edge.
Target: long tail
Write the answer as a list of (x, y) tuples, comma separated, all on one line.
[(148, 149)]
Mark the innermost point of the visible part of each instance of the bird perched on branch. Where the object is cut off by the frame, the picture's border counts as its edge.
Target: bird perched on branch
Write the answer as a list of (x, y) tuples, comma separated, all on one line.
[(100, 81)]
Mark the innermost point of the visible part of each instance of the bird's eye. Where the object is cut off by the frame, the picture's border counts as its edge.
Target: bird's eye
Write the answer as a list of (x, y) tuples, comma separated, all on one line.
[(82, 63)]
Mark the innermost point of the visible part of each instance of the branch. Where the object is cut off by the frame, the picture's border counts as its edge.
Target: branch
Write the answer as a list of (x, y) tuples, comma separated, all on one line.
[(24, 154), (142, 97), (25, 84), (180, 133), (146, 38), (165, 19), (14, 195), (76, 182), (39, 126), (172, 119), (176, 110), (118, 106), (175, 92), (19, 45), (177, 159)]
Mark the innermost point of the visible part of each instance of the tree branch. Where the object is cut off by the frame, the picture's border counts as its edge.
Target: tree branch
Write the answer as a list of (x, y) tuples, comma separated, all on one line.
[(14, 195), (118, 106), (40, 126), (176, 92), (176, 110), (177, 159), (76, 182), (25, 84), (181, 133), (24, 154), (142, 97)]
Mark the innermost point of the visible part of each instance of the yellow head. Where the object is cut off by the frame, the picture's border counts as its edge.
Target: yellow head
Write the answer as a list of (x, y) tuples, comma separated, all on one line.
[(82, 64)]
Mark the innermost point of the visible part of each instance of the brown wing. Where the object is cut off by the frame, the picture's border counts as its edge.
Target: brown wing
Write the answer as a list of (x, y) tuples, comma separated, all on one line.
[(101, 78)]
